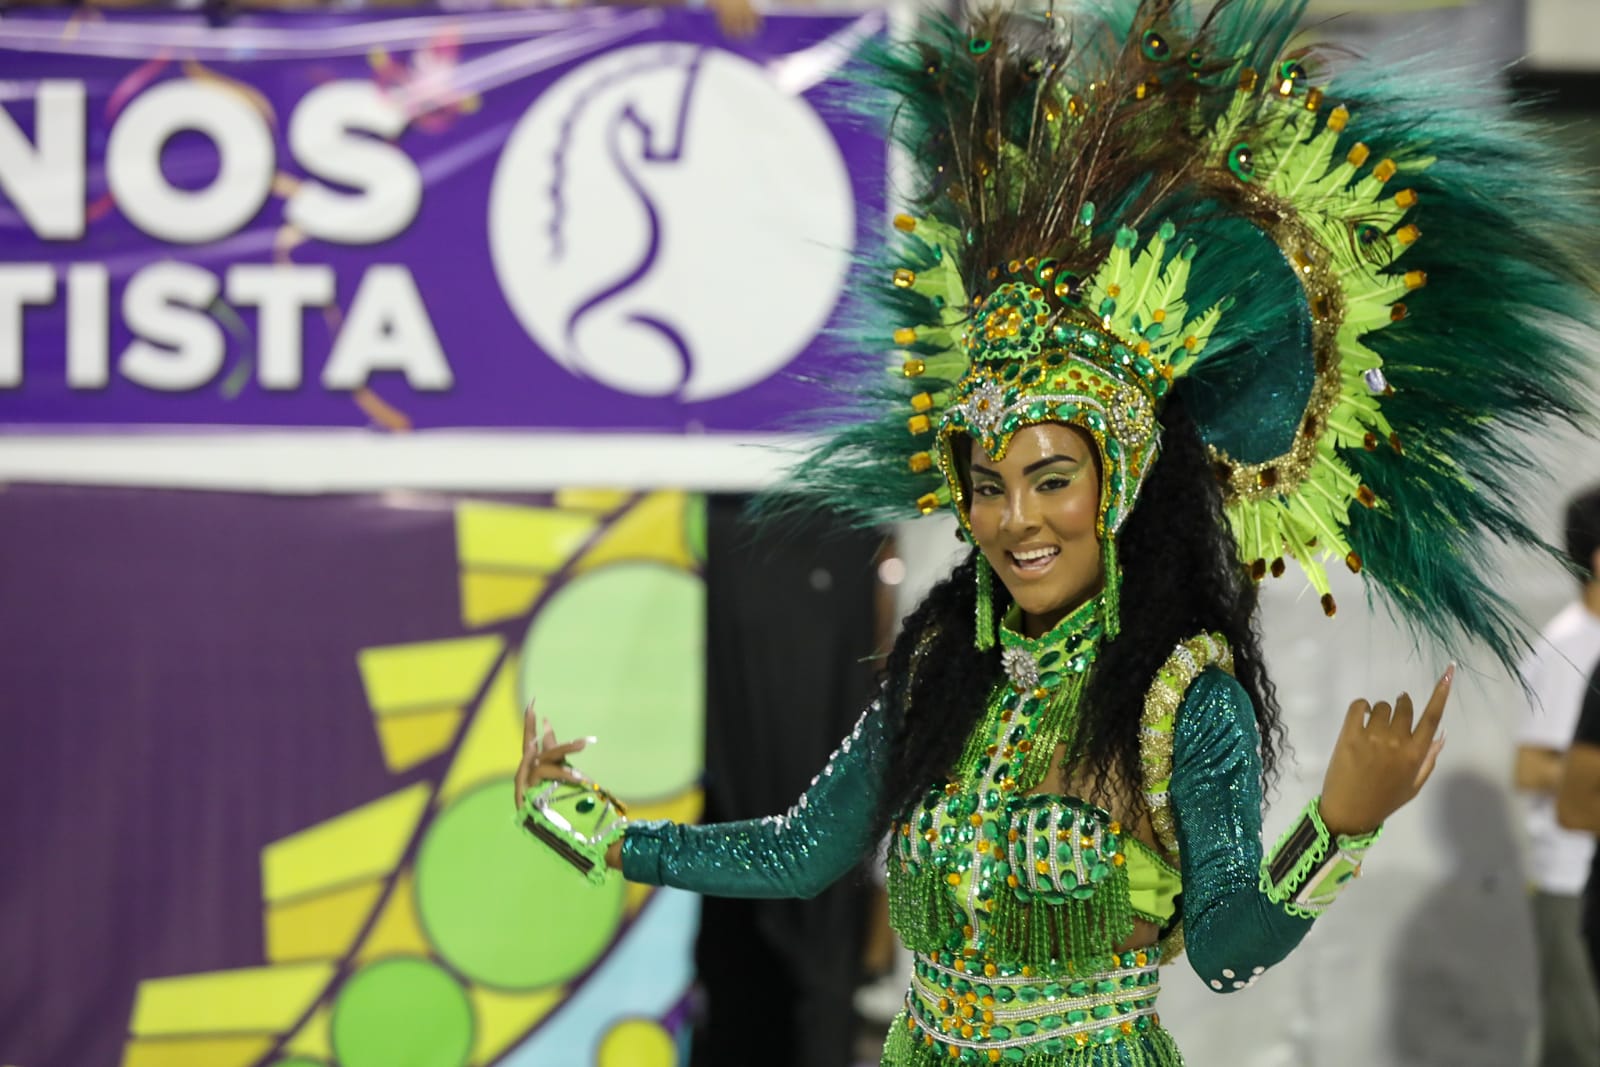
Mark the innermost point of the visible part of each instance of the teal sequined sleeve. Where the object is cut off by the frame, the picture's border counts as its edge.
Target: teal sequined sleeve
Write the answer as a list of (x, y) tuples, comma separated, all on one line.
[(1232, 931), (797, 854)]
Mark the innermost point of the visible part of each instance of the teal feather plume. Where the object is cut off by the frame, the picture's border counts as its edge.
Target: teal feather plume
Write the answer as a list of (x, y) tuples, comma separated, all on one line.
[(1018, 132)]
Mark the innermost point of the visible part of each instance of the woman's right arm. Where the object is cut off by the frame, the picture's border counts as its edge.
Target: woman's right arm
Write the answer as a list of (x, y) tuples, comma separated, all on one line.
[(797, 854)]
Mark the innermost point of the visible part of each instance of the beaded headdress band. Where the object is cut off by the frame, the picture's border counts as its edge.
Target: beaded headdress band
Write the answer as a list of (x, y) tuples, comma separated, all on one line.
[(1354, 385)]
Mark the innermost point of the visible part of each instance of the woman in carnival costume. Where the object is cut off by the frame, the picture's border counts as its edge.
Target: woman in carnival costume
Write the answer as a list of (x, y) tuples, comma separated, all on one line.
[(1165, 313)]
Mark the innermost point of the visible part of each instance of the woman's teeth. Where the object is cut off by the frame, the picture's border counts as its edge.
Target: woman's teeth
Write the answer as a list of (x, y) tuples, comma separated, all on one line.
[(1034, 558)]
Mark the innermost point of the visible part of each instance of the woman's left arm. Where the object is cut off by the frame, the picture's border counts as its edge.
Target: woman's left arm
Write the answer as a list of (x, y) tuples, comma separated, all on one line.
[(1243, 912)]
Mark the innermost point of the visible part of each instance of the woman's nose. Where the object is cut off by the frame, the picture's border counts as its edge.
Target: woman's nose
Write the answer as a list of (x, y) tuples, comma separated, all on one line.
[(1020, 516)]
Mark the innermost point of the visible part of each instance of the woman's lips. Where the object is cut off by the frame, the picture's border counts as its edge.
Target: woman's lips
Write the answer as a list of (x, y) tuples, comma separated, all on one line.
[(1033, 562)]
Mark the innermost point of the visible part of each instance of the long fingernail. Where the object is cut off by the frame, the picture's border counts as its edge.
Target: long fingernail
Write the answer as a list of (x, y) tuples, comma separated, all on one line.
[(591, 739), (1449, 674)]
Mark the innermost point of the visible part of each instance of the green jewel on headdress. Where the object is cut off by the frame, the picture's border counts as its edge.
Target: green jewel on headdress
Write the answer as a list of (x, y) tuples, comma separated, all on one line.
[(1146, 205)]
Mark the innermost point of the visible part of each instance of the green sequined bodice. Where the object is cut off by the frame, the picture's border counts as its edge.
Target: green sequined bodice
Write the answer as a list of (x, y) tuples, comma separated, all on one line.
[(1013, 899), (980, 851)]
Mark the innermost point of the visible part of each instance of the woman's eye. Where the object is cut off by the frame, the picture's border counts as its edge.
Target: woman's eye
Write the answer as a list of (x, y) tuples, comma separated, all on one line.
[(985, 490), (1055, 483)]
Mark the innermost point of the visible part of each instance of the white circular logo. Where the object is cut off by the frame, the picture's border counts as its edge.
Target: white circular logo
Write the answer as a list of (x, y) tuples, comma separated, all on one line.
[(666, 221)]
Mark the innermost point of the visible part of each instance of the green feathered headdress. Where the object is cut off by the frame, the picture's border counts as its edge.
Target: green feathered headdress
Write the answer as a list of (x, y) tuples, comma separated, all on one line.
[(1364, 287)]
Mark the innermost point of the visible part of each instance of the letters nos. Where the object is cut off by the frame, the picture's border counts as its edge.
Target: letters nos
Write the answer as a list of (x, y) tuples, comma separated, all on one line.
[(338, 133)]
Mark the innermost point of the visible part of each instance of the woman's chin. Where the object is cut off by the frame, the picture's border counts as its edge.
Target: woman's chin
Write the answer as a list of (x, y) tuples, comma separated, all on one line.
[(1042, 605)]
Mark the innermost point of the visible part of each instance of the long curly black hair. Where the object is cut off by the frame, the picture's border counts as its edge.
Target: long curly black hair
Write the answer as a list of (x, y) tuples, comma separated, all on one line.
[(1181, 576)]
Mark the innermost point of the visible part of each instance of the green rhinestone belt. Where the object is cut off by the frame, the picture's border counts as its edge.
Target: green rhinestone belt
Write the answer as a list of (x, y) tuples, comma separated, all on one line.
[(1002, 1014)]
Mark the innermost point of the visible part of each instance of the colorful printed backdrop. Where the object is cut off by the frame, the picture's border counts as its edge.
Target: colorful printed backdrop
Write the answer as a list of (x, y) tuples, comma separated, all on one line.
[(257, 773)]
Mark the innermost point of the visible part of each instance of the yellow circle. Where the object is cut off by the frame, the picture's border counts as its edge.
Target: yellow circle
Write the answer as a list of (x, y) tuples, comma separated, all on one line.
[(637, 1043)]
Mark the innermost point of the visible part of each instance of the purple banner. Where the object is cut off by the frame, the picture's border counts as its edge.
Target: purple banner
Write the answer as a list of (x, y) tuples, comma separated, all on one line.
[(609, 219)]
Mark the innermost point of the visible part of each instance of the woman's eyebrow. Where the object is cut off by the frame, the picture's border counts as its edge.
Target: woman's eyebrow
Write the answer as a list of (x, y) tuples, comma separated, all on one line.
[(977, 468), (1030, 468)]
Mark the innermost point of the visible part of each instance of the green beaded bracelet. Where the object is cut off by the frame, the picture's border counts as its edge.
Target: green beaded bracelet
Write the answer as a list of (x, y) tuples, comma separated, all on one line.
[(584, 849)]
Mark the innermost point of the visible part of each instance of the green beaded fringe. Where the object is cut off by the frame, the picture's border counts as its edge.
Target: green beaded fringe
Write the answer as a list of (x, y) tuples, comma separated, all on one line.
[(925, 914), (1111, 596), (1153, 1047), (921, 909), (1086, 930), (983, 637)]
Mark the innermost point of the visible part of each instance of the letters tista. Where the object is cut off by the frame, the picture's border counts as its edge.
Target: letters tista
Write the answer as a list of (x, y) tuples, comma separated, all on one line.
[(340, 133)]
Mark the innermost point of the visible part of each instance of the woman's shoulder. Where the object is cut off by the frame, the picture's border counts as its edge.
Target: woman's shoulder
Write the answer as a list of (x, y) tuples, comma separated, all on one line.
[(1198, 668), (1214, 687), (1215, 708)]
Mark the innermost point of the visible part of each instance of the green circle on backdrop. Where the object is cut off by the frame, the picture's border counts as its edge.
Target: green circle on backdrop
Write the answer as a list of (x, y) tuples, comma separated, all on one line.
[(502, 908), (619, 653), (405, 1010)]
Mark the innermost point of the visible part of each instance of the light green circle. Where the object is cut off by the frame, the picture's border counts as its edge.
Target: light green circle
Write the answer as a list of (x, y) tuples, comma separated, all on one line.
[(619, 653), (503, 908), (404, 1010)]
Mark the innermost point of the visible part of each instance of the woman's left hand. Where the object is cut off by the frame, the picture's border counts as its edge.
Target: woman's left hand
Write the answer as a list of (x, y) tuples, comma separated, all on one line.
[(1380, 761), (543, 758)]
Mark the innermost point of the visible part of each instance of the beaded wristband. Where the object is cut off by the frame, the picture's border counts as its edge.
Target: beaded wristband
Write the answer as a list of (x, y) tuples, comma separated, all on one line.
[(1309, 867), (584, 849)]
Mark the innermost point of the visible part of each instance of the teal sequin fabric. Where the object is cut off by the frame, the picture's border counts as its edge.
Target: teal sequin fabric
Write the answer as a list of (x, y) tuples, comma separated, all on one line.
[(797, 854), (1233, 932)]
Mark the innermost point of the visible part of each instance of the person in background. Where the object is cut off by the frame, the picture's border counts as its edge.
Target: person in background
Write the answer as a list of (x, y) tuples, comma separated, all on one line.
[(1578, 810), (1556, 673)]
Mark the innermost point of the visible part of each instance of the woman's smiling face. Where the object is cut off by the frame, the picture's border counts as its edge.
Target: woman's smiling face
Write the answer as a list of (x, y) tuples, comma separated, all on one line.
[(1033, 516)]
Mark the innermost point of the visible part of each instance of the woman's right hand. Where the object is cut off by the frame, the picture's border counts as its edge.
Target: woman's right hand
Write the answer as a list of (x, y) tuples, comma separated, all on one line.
[(1381, 761), (543, 759)]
